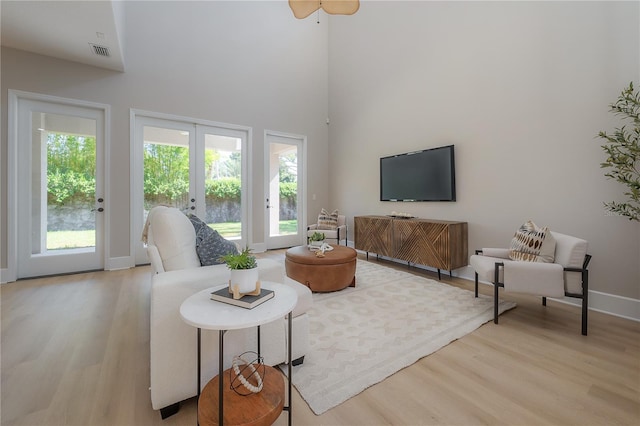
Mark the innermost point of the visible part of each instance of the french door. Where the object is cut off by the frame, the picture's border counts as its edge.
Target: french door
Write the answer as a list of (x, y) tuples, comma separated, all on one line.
[(284, 186), (59, 182), (199, 168)]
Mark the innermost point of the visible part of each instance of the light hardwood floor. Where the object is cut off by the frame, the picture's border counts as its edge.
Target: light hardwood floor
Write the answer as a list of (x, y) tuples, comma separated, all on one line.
[(75, 351)]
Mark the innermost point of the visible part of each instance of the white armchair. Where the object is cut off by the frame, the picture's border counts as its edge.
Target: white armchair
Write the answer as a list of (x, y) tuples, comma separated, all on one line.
[(338, 234), (566, 276)]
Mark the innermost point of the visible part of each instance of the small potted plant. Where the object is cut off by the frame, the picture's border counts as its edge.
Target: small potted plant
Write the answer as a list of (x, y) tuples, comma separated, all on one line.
[(316, 239), (244, 270)]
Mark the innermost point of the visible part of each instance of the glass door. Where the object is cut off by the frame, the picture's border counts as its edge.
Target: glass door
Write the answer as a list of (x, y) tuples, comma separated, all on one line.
[(60, 197), (197, 168), (284, 179), (224, 190)]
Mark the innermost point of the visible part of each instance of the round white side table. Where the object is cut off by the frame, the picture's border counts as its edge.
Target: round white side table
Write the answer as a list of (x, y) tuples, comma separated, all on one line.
[(201, 312)]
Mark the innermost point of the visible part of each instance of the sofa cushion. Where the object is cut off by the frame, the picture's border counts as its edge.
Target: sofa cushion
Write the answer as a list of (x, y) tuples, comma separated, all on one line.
[(175, 239), (210, 245), (328, 220), (532, 244)]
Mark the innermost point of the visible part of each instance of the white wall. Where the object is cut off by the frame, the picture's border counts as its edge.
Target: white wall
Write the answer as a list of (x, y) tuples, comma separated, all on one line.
[(520, 88), (245, 63)]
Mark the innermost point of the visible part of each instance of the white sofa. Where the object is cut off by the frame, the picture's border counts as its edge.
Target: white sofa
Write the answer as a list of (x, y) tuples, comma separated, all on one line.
[(177, 274)]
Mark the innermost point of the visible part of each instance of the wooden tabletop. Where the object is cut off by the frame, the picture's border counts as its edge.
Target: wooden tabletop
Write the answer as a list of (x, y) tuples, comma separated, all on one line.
[(262, 408)]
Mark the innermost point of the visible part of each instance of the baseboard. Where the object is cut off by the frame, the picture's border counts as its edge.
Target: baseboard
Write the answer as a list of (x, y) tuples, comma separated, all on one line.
[(4, 276), (611, 304), (115, 263), (258, 247)]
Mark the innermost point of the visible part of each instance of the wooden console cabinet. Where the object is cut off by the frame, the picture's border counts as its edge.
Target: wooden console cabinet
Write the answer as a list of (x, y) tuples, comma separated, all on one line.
[(440, 244)]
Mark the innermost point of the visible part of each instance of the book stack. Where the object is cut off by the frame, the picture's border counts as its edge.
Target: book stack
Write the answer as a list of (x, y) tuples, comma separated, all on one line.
[(247, 301)]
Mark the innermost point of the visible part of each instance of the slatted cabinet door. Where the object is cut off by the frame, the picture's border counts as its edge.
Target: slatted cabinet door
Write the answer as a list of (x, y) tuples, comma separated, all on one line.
[(374, 234), (439, 244)]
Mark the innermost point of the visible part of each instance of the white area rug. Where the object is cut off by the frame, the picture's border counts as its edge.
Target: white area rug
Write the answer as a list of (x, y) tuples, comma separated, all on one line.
[(359, 336)]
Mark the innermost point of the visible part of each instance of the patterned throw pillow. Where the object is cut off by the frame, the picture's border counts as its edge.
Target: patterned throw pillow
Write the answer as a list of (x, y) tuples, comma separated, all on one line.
[(533, 244), (210, 245), (328, 221)]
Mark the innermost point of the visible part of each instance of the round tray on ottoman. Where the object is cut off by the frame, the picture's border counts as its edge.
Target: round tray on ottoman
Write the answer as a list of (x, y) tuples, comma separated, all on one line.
[(335, 271)]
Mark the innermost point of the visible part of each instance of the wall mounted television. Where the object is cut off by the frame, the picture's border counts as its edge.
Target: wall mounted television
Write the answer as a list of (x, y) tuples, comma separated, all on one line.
[(427, 175)]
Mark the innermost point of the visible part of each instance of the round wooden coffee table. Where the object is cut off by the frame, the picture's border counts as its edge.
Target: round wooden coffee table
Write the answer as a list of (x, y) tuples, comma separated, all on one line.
[(335, 271)]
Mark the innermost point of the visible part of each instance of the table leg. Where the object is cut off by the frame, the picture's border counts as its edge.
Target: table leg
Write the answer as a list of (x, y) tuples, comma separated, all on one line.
[(290, 369), (199, 359), (198, 381), (220, 372)]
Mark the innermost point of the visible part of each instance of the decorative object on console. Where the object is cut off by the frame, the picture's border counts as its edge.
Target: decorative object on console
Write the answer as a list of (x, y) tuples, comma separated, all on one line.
[(401, 215), (244, 273), (303, 8), (532, 244)]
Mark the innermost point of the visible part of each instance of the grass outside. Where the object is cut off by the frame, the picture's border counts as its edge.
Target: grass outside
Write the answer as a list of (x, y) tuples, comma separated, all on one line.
[(76, 239)]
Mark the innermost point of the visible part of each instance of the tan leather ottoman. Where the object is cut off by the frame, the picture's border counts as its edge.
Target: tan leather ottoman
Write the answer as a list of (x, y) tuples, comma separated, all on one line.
[(335, 271)]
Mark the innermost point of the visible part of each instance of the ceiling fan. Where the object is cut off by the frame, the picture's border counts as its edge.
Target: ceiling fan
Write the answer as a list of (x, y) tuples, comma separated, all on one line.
[(303, 8)]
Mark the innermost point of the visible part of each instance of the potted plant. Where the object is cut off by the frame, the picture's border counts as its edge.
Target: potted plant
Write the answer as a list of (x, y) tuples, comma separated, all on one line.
[(244, 270), (316, 239)]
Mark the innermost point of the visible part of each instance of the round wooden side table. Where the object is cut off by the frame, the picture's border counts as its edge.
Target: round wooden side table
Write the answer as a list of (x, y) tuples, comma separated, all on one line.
[(257, 409)]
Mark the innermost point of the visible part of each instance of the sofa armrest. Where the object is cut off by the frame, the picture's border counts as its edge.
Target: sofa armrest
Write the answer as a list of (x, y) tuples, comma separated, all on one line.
[(154, 258), (312, 227)]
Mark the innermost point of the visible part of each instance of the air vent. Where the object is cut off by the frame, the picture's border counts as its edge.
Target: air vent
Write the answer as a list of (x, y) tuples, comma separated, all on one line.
[(100, 50)]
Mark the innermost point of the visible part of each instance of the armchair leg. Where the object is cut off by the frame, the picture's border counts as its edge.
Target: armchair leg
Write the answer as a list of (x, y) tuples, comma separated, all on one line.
[(585, 295), (496, 286), (495, 302), (476, 284), (544, 301), (585, 310)]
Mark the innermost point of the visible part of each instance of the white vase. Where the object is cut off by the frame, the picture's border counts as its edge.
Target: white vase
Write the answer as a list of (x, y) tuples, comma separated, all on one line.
[(316, 243), (246, 279)]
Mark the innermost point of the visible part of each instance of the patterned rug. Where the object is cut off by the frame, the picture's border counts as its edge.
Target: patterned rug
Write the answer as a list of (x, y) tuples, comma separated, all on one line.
[(359, 336)]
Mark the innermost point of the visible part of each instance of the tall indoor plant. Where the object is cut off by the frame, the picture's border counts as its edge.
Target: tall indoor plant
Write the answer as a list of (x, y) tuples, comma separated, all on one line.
[(623, 153)]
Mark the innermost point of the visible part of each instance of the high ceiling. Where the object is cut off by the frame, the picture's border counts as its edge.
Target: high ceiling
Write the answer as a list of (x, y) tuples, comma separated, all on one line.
[(71, 30)]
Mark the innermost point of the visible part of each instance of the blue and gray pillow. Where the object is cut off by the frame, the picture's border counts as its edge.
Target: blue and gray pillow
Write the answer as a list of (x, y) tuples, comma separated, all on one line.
[(210, 245)]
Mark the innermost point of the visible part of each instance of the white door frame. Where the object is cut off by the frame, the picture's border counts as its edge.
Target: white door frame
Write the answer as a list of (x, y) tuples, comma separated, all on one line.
[(14, 96), (301, 141), (197, 188)]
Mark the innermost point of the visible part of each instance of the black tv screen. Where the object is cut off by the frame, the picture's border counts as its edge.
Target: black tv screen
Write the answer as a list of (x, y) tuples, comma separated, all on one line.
[(427, 175)]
